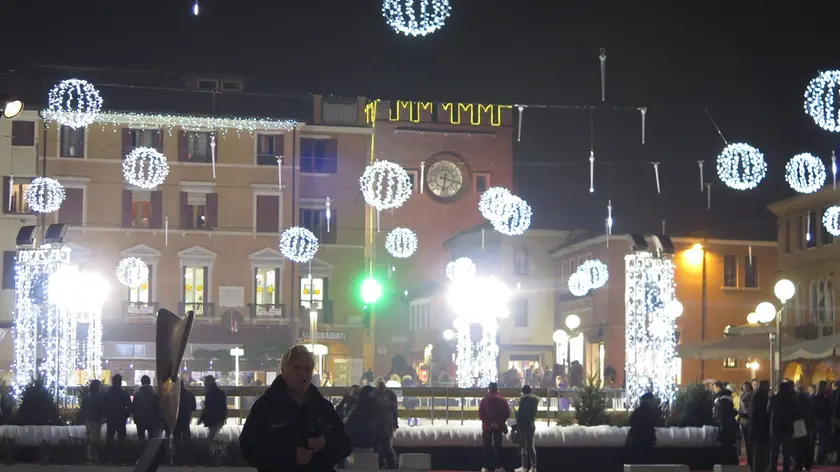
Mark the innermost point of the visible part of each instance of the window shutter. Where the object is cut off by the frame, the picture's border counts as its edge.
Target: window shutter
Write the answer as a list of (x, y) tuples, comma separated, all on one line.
[(9, 271), (278, 287), (72, 210), (159, 146), (279, 144), (127, 143), (127, 220), (186, 214), (156, 221), (204, 297), (150, 282), (268, 209), (326, 304), (212, 210), (80, 143), (7, 193), (331, 165), (183, 147)]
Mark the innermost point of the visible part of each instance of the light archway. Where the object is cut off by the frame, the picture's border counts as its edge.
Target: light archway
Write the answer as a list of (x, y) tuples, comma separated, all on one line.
[(794, 371)]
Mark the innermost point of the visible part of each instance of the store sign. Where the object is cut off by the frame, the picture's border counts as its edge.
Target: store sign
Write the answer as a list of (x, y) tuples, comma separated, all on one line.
[(326, 335)]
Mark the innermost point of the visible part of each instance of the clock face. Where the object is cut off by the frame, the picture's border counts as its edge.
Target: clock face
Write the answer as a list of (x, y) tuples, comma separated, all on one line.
[(445, 179)]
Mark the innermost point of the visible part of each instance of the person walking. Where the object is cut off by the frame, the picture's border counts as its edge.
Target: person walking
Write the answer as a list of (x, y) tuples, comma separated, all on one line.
[(526, 420), (784, 410), (744, 418), (292, 426), (493, 411), (214, 413), (759, 426), (146, 411)]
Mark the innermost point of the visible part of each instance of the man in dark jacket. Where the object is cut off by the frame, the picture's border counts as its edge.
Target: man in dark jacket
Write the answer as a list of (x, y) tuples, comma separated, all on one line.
[(214, 413), (724, 414), (93, 412), (526, 420), (744, 416), (804, 446), (759, 426), (641, 439), (493, 411), (292, 426), (117, 410), (186, 407), (784, 410), (146, 410), (387, 400), (822, 419)]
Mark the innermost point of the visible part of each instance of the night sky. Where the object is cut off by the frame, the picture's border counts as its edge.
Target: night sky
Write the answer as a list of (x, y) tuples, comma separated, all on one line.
[(746, 62)]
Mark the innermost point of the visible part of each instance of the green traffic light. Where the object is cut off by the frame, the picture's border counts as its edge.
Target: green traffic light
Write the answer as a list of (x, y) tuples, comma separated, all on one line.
[(371, 291)]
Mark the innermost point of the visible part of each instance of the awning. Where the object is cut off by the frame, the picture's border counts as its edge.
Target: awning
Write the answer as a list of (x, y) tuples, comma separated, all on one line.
[(820, 348), (742, 347)]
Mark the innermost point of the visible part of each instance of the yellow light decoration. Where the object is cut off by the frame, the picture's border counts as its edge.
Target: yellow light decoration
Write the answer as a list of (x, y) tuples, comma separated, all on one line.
[(144, 286), (271, 289), (476, 113), (370, 112), (188, 287), (199, 288), (259, 289), (415, 110)]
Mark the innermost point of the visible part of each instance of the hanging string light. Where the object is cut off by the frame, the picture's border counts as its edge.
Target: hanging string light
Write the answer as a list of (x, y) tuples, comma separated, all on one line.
[(74, 103), (821, 100), (298, 244), (515, 218), (416, 17), (328, 212), (595, 273), (385, 185), (401, 243), (132, 272), (145, 167), (831, 220), (805, 173), (578, 284), (492, 202), (702, 180), (44, 195), (656, 174)]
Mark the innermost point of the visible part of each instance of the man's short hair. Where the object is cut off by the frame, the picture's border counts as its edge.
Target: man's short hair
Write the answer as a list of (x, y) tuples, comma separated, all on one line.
[(493, 387), (298, 351), (116, 380), (145, 380), (526, 389)]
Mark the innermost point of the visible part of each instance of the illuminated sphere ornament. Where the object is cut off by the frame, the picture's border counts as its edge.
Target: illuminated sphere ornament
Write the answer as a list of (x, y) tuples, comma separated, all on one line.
[(462, 268), (674, 308), (145, 167), (385, 185), (448, 334), (831, 220), (821, 100), (752, 318), (401, 243), (298, 244), (74, 103), (578, 284), (766, 312), (805, 173), (416, 17), (44, 195), (515, 218), (132, 272), (741, 166), (595, 272), (492, 202)]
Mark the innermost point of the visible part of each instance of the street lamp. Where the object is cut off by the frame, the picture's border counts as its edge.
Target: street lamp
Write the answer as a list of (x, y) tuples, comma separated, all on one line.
[(572, 322), (752, 318), (448, 334), (674, 309), (784, 290), (765, 312), (753, 366), (236, 352), (11, 107)]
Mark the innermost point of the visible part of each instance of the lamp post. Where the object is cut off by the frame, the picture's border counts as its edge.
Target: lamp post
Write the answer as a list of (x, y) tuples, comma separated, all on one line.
[(766, 313), (753, 366), (236, 352), (572, 323), (313, 328)]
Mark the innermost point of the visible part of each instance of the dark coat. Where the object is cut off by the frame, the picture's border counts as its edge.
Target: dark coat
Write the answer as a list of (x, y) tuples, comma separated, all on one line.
[(93, 408), (724, 413), (117, 405), (822, 406), (215, 408), (643, 422), (759, 422), (784, 410), (526, 414), (277, 425), (370, 422), (186, 406), (806, 408), (146, 407)]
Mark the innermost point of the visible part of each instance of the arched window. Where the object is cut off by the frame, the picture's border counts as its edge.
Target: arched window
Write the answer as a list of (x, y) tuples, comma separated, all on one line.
[(797, 314), (814, 303), (829, 303), (821, 303)]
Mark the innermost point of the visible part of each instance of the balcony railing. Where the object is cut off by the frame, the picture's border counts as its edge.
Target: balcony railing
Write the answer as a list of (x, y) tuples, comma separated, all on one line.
[(325, 312), (138, 309), (202, 310), (274, 311)]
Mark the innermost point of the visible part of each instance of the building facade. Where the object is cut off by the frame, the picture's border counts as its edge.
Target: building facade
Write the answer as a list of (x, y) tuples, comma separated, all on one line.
[(809, 256), (209, 234), (718, 283)]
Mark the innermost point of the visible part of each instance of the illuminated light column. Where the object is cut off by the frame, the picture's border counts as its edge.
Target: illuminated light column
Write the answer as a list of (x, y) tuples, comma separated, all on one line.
[(36, 320), (650, 327)]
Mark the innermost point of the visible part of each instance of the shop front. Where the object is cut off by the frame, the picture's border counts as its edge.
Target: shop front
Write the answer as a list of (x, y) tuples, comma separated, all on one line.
[(338, 355)]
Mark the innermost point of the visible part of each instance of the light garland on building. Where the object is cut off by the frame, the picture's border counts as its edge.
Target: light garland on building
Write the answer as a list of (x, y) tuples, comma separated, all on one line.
[(172, 123), (298, 244), (74, 103), (515, 218), (821, 100), (741, 166), (462, 268), (44, 195), (132, 272), (650, 329), (578, 284), (401, 243), (145, 167), (492, 202), (385, 185), (36, 321), (805, 173), (831, 220), (411, 19), (595, 273)]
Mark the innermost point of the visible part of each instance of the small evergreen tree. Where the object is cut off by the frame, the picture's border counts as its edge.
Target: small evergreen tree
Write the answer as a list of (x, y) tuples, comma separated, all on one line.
[(693, 407), (7, 403), (37, 405), (591, 404)]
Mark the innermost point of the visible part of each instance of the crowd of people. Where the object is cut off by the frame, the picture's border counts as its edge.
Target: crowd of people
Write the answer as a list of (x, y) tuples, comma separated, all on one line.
[(801, 424), (113, 407)]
